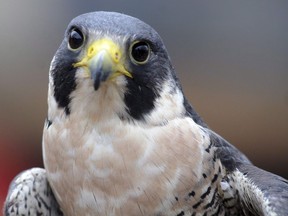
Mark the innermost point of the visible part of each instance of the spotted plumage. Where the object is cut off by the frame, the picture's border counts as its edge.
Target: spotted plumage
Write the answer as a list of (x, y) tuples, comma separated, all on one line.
[(122, 139), (30, 194)]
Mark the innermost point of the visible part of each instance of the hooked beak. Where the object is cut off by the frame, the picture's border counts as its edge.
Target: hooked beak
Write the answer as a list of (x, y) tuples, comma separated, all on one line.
[(103, 61)]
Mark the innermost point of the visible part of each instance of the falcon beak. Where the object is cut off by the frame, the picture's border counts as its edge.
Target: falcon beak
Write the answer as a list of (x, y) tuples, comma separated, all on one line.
[(103, 61)]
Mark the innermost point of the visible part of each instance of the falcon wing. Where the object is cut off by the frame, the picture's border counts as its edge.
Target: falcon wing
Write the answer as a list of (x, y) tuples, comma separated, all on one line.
[(266, 193), (260, 192), (30, 194)]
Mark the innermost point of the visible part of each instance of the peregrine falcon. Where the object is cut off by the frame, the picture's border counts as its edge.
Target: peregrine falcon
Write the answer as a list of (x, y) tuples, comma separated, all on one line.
[(122, 139)]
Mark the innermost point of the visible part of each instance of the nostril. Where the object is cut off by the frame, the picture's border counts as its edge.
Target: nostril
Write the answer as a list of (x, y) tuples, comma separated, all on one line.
[(91, 50)]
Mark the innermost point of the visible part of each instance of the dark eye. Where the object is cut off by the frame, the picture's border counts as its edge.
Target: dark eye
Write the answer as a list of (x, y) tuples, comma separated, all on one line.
[(140, 52), (76, 39)]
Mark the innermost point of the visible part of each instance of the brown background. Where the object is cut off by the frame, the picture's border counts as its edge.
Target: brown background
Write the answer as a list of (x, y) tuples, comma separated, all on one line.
[(231, 57)]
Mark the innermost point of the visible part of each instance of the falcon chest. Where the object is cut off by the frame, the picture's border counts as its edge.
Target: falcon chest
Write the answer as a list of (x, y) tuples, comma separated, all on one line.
[(123, 169), (101, 165)]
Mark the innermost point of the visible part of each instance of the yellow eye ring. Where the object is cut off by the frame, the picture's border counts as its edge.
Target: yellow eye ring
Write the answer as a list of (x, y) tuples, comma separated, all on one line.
[(76, 39), (139, 52)]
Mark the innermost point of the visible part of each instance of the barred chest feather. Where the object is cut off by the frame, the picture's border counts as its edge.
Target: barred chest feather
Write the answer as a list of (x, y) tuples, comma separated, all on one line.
[(118, 168)]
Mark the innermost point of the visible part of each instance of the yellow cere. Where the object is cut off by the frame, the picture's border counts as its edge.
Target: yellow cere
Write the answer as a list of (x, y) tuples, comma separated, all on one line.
[(105, 44), (114, 53)]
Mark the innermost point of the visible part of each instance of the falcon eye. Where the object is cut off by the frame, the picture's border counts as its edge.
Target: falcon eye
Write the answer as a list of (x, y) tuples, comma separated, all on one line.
[(76, 39), (140, 52)]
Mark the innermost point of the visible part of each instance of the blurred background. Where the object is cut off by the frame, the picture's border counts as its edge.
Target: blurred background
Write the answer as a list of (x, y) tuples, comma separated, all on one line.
[(231, 57)]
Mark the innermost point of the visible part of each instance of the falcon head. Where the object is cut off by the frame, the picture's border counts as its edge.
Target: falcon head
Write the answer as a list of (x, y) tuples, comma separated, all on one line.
[(114, 64)]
